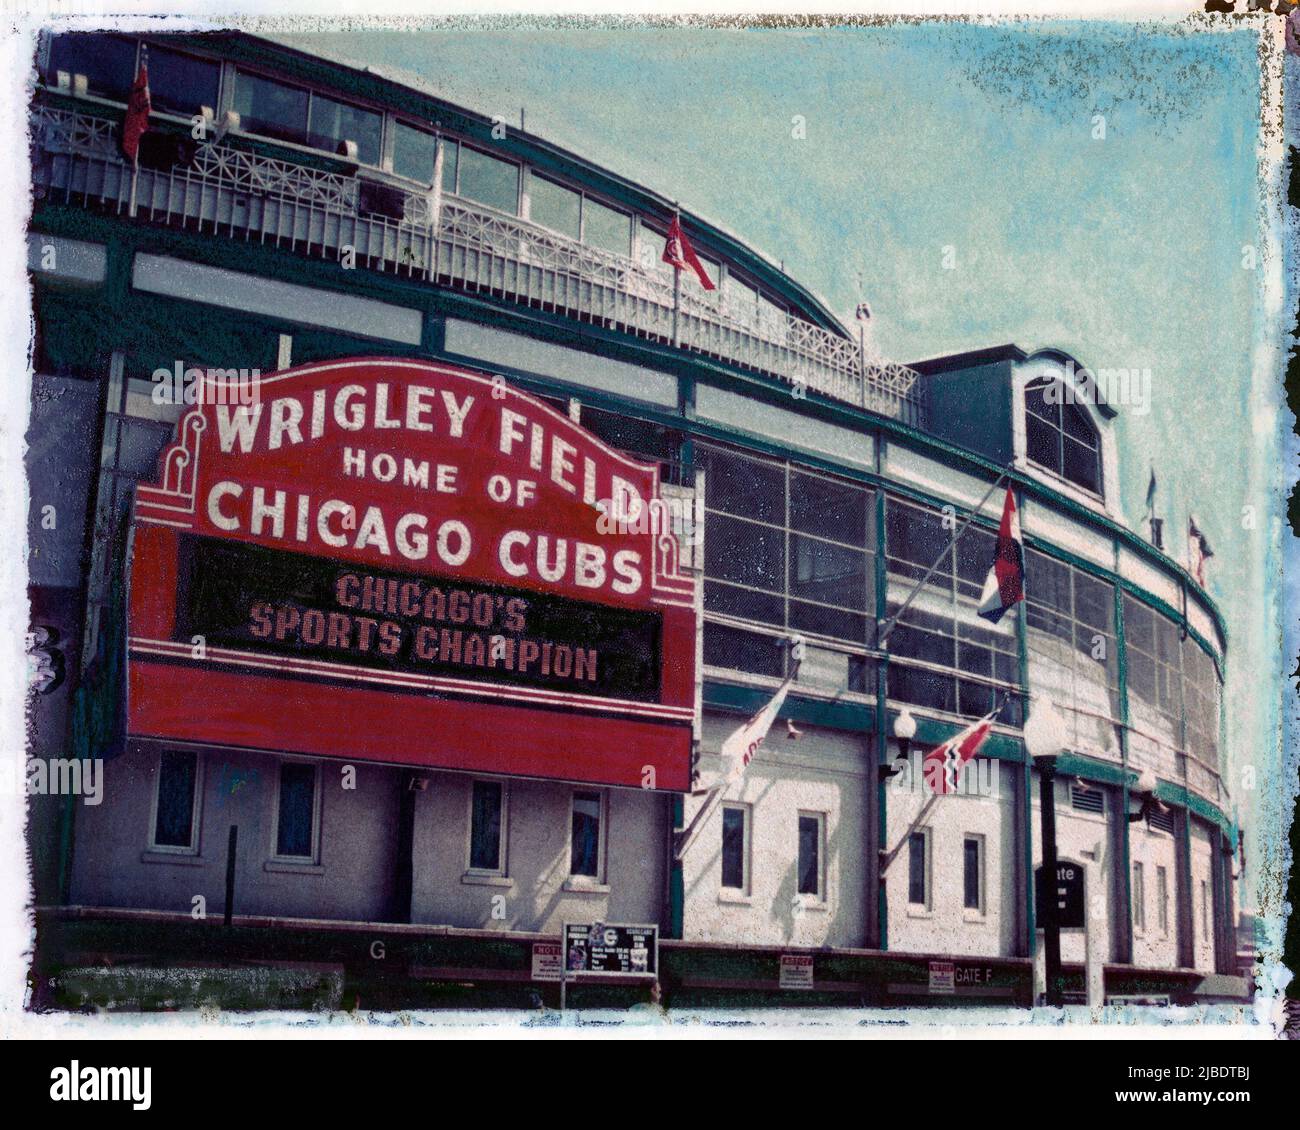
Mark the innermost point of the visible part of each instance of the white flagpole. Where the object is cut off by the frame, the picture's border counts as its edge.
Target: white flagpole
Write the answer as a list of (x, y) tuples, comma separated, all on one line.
[(135, 176)]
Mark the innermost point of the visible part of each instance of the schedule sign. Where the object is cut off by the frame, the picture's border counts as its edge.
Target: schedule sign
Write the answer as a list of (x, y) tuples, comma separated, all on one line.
[(465, 575), (611, 949)]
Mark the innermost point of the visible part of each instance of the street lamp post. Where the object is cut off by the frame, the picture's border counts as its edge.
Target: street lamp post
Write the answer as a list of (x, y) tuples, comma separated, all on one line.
[(1045, 740)]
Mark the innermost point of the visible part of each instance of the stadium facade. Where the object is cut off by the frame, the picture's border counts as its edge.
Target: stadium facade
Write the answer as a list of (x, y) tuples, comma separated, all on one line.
[(428, 303)]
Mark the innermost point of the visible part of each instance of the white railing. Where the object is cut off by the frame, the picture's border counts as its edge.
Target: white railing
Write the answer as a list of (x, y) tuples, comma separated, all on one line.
[(235, 192)]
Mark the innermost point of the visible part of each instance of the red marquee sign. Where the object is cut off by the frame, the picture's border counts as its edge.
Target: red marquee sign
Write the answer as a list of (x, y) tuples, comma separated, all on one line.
[(411, 563)]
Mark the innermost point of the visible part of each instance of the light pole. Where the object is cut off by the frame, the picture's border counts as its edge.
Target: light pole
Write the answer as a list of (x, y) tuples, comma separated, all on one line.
[(1045, 740)]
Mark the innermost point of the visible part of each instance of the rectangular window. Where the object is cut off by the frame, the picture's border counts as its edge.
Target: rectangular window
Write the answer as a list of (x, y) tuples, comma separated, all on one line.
[(1205, 910), (1162, 899), (1139, 898), (180, 84), (107, 61), (333, 122), (735, 847), (414, 151), (295, 829), (918, 887), (271, 108), (605, 228), (175, 824), (973, 873), (812, 826), (585, 856), (489, 180), (487, 825), (553, 206)]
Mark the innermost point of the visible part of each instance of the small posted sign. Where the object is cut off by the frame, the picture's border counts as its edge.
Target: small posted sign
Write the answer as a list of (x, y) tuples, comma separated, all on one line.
[(546, 961), (796, 971), (943, 977)]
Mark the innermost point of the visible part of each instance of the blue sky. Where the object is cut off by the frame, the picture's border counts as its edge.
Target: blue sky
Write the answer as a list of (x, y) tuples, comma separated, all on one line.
[(1125, 251)]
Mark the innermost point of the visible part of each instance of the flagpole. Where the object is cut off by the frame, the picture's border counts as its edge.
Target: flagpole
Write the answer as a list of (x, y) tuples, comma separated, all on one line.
[(677, 290), (893, 620), (135, 176)]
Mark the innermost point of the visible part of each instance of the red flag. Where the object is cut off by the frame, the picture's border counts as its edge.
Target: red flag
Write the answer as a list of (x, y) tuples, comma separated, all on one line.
[(679, 253), (137, 114), (1005, 584), (944, 763)]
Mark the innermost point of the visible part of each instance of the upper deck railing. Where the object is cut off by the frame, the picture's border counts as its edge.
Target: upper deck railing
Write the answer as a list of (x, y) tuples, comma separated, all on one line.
[(454, 242)]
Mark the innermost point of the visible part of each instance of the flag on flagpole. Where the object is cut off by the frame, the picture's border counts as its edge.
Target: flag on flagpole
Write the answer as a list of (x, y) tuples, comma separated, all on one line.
[(679, 253), (942, 766), (1198, 550), (1151, 492), (138, 107), (1005, 584), (740, 746)]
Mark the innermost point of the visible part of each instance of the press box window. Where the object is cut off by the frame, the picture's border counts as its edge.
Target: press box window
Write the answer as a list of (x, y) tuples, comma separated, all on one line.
[(488, 180), (487, 827), (735, 847), (180, 84), (812, 848), (271, 108), (333, 122), (295, 833), (107, 61), (585, 854), (414, 152), (175, 816)]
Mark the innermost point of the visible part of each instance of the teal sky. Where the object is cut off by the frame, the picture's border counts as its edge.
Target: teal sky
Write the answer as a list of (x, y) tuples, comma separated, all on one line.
[(1125, 251)]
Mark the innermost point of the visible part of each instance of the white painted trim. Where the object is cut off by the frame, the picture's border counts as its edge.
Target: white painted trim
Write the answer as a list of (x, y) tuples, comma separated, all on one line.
[(299, 861)]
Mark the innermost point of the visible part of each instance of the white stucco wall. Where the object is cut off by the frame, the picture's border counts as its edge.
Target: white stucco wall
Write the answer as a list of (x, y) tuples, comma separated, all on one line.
[(1202, 898), (537, 893), (822, 772), (1152, 947), (985, 809)]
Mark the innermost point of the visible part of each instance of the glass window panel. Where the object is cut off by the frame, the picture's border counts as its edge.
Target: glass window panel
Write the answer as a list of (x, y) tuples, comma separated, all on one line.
[(975, 553), (1036, 401), (585, 857), (916, 868), (1082, 465), (414, 153), (1094, 602), (1077, 425), (828, 622), (749, 487), (1139, 625), (485, 826), (181, 83), (554, 206), (829, 508), (971, 874), (922, 688), (742, 300), (489, 180), (177, 775), (333, 122), (737, 650), (833, 574), (271, 108), (744, 552), (605, 228), (809, 855), (297, 809), (1042, 443), (746, 604), (107, 62), (914, 538), (733, 848)]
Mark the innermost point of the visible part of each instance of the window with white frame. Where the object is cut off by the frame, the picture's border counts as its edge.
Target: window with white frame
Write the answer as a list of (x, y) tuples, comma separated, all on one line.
[(918, 868), (735, 847), (175, 823), (1162, 899), (1139, 896), (587, 837), (973, 873), (487, 827), (811, 864), (297, 812), (1060, 435)]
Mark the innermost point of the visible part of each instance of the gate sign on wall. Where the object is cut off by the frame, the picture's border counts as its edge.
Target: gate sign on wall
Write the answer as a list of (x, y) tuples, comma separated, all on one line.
[(412, 563)]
